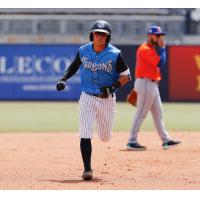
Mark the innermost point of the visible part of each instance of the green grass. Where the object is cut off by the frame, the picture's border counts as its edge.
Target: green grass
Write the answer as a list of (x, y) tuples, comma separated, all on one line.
[(177, 117), (38, 116), (63, 116)]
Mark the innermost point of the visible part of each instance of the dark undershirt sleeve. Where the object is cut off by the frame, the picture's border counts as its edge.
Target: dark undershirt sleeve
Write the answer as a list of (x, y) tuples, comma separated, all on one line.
[(120, 65), (73, 68)]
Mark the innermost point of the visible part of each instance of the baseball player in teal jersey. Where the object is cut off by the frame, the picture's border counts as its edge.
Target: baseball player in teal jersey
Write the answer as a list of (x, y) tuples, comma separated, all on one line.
[(102, 72)]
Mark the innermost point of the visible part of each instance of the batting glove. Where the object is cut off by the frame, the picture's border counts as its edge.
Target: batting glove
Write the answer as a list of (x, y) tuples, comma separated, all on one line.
[(110, 89), (60, 85)]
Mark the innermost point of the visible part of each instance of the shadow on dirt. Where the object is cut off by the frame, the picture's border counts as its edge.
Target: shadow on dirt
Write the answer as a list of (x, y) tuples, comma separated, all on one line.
[(129, 150), (75, 181)]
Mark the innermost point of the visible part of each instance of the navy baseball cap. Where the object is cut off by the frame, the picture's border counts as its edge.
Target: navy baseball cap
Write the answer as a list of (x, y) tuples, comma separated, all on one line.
[(155, 30)]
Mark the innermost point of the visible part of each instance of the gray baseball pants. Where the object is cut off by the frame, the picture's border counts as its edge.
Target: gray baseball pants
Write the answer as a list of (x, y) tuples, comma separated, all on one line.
[(148, 99)]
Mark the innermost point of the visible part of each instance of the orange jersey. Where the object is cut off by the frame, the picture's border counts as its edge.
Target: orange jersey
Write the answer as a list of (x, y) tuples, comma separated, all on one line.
[(146, 62)]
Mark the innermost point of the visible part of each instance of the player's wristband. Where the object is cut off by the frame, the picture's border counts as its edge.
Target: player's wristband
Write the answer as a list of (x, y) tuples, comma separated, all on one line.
[(63, 79)]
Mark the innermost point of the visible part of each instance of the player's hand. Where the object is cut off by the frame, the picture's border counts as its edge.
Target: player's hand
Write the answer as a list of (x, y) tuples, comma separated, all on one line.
[(60, 85), (107, 89), (161, 42)]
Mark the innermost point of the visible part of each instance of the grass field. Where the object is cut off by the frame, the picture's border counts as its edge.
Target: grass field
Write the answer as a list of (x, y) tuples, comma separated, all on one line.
[(63, 117)]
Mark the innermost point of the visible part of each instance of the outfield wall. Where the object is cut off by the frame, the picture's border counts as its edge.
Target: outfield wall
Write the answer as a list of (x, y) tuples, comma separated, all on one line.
[(30, 72), (184, 73)]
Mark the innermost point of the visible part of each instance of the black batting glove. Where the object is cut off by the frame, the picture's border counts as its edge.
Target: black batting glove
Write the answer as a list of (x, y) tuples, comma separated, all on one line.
[(110, 89), (107, 90), (60, 85)]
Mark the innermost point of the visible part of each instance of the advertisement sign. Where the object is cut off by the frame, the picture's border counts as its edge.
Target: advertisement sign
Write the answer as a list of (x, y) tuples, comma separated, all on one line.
[(30, 72), (184, 73)]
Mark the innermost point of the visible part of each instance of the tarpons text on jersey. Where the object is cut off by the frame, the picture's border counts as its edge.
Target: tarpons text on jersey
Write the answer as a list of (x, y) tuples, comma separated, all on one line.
[(104, 66)]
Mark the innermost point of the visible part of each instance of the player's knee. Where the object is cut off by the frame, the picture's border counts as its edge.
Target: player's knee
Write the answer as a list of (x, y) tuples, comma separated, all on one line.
[(142, 116)]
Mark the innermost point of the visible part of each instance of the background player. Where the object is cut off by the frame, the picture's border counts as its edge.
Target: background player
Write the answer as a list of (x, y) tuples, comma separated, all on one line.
[(102, 72), (150, 57)]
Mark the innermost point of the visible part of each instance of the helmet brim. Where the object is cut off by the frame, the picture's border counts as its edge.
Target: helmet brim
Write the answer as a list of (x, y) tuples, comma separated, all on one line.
[(100, 30)]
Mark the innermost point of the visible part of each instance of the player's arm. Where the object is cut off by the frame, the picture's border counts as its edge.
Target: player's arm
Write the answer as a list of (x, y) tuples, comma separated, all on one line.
[(72, 69), (123, 70), (161, 51), (124, 73)]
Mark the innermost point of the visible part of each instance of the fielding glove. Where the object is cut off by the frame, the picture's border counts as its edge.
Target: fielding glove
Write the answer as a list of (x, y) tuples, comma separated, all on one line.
[(132, 97)]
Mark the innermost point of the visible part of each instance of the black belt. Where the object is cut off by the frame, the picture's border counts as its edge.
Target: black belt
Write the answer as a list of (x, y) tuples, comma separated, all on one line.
[(103, 96), (148, 78)]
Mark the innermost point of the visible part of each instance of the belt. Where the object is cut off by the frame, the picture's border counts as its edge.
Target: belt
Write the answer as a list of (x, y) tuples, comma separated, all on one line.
[(148, 79), (103, 96)]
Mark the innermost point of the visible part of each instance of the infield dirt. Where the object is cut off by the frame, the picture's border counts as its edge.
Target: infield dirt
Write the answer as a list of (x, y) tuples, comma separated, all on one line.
[(53, 161)]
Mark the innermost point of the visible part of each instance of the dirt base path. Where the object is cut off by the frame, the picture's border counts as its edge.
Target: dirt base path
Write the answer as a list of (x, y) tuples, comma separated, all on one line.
[(53, 161)]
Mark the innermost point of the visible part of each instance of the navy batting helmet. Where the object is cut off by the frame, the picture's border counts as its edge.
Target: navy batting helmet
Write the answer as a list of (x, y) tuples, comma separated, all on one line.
[(155, 30), (101, 26)]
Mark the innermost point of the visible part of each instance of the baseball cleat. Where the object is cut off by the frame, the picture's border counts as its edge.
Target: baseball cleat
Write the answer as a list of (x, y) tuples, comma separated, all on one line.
[(87, 175), (135, 147), (170, 144)]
